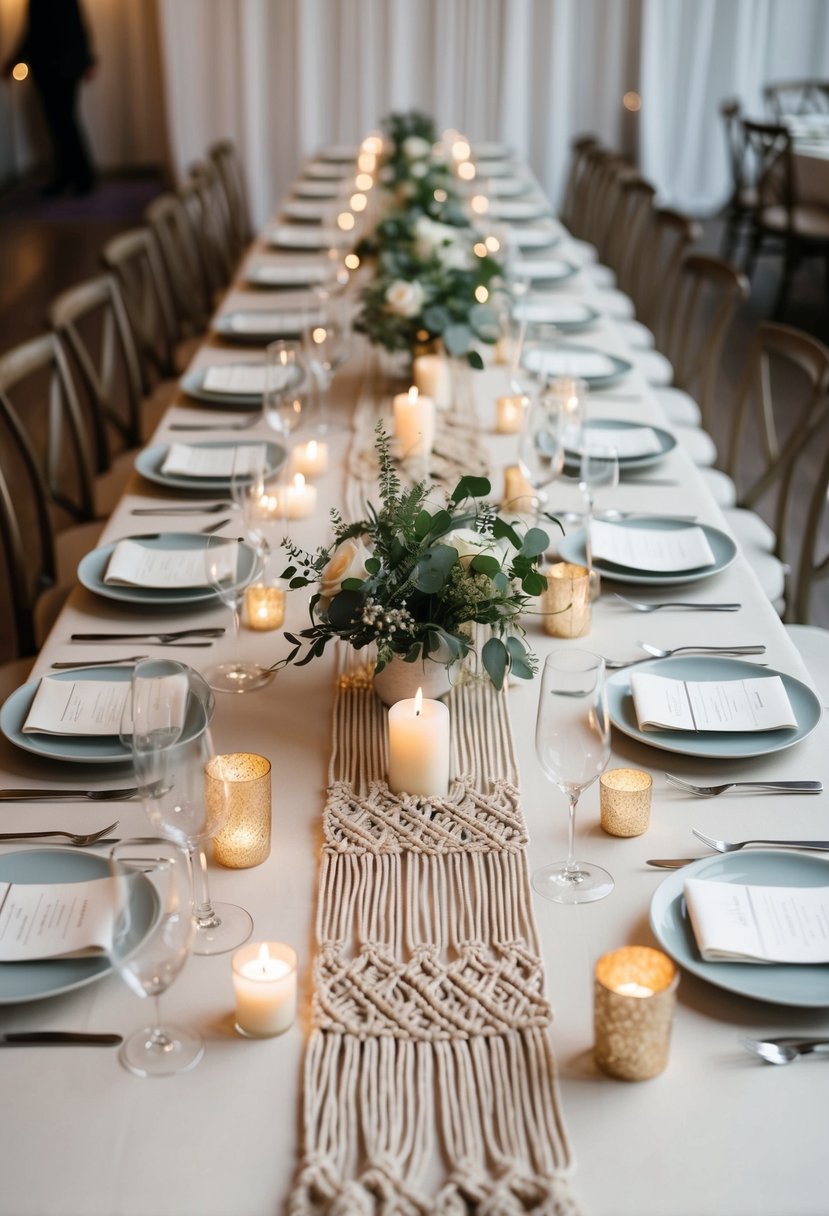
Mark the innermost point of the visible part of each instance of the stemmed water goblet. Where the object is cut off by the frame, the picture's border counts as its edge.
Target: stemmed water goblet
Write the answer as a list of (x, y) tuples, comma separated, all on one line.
[(572, 742), (151, 883), (598, 470), (285, 374), (541, 447), (325, 345)]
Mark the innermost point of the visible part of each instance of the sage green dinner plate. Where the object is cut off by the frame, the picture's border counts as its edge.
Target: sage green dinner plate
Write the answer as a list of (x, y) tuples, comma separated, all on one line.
[(287, 324), (800, 986), (542, 358), (667, 443), (83, 749), (250, 326), (33, 981), (92, 569), (149, 463), (713, 745), (571, 548)]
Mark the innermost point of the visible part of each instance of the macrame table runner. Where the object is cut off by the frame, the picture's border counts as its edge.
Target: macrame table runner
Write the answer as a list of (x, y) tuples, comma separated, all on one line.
[(429, 1076)]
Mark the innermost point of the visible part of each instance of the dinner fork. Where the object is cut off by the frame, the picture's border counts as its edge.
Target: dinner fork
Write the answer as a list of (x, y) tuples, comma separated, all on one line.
[(210, 508), (773, 787), (655, 652), (638, 606), (784, 1050), (732, 846), (243, 425), (77, 839)]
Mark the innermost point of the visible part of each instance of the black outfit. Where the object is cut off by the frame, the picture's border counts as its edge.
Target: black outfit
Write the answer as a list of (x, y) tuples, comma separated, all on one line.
[(57, 48)]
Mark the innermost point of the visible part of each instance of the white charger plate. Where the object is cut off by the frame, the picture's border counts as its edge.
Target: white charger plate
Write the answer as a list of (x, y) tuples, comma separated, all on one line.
[(712, 745), (799, 986), (83, 749), (40, 978)]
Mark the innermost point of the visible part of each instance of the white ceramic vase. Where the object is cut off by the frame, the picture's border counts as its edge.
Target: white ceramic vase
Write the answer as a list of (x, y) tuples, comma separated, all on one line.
[(400, 680)]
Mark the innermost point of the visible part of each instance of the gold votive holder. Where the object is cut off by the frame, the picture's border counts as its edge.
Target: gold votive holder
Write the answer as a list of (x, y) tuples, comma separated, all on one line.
[(509, 414), (519, 494), (625, 801), (264, 985), (566, 606), (634, 994), (238, 798), (264, 606)]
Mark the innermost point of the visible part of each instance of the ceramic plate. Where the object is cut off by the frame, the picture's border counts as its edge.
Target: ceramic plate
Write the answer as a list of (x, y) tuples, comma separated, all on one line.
[(509, 187), (305, 210), (299, 236), (250, 326), (491, 150), (667, 443), (92, 569), (496, 168), (284, 276), (35, 980), (545, 270), (329, 170), (340, 152), (148, 462), (316, 189), (562, 360), (81, 749), (533, 238), (804, 987), (568, 315), (713, 745), (518, 209), (571, 548), (192, 383)]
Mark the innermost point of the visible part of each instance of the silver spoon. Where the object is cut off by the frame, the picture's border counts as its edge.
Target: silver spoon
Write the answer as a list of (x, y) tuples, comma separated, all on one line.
[(785, 1050)]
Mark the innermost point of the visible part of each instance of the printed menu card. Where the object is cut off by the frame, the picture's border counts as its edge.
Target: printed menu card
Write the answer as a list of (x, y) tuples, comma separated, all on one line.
[(55, 920), (188, 460), (96, 707), (626, 442), (135, 565), (657, 549), (716, 705), (748, 924), (235, 378)]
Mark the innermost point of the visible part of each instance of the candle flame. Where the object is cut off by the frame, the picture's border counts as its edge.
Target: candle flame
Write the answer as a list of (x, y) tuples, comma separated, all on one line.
[(264, 955), (299, 482), (413, 394), (418, 702), (311, 449)]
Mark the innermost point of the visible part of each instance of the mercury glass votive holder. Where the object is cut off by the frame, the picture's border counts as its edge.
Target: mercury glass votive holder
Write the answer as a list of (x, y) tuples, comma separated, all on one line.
[(566, 604), (264, 606), (625, 801), (238, 797), (634, 995), (519, 494)]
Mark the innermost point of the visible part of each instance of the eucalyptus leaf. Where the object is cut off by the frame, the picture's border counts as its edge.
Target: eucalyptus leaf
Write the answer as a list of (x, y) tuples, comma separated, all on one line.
[(456, 338), (535, 543), (483, 564), (495, 658)]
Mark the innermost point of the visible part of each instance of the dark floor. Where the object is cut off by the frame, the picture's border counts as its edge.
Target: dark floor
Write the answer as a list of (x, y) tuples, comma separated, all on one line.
[(48, 245)]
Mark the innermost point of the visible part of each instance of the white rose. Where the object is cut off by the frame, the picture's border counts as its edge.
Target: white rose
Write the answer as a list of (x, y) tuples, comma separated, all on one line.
[(405, 299), (469, 544), (430, 235), (453, 257), (347, 561), (419, 169), (416, 148)]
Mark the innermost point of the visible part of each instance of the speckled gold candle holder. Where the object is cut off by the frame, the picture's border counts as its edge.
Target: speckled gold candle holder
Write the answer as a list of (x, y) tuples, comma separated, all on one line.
[(264, 607), (566, 602), (625, 801), (238, 795), (634, 994)]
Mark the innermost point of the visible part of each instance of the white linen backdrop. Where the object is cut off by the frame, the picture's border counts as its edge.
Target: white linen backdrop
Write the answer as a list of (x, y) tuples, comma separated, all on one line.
[(282, 77)]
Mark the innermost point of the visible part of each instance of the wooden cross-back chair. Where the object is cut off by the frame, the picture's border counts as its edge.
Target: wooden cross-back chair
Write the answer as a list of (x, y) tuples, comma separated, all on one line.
[(167, 219), (134, 260), (571, 211), (796, 97), (742, 200), (225, 156)]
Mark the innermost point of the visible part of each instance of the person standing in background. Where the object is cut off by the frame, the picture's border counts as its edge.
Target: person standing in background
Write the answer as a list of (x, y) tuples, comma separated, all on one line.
[(57, 48)]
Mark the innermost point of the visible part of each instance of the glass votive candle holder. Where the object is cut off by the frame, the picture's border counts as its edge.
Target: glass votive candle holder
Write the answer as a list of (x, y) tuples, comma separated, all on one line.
[(264, 606), (509, 414), (237, 789), (634, 995), (566, 604), (264, 986), (625, 801), (519, 494)]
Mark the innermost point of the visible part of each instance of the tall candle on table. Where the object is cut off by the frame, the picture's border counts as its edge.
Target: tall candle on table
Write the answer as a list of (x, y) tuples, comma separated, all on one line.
[(414, 423), (419, 747), (433, 378)]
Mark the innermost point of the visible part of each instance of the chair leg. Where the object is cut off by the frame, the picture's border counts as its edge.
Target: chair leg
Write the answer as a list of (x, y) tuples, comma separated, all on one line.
[(756, 240), (790, 260)]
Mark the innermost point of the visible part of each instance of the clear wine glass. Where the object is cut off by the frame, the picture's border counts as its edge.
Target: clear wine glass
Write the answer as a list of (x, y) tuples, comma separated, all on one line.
[(153, 874), (598, 471), (285, 377), (326, 347), (572, 742), (541, 448), (230, 568)]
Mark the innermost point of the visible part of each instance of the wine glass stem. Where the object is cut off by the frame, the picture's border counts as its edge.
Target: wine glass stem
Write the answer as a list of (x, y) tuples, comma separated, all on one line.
[(159, 1041), (203, 912), (570, 866)]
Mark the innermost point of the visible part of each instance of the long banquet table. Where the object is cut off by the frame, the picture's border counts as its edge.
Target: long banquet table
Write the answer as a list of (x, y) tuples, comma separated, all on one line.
[(717, 1133)]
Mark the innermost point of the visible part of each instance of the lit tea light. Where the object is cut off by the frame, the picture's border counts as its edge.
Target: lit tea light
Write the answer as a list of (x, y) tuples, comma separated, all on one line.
[(634, 995), (414, 423), (237, 794), (461, 150), (419, 754), (509, 414), (519, 494), (634, 989), (264, 607), (358, 201), (299, 500), (364, 181), (311, 458), (433, 377), (566, 602), (264, 984), (466, 171), (479, 204)]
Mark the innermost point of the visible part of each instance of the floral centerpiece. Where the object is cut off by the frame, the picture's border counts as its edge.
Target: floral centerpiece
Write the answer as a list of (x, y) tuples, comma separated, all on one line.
[(412, 577)]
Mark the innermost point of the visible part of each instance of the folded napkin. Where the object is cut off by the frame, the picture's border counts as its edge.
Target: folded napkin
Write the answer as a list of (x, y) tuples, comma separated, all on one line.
[(189, 460), (752, 705), (517, 209), (738, 923), (56, 920), (266, 322), (297, 274), (554, 362), (662, 551), (627, 442), (132, 564), (531, 238), (98, 707), (542, 268), (304, 209), (296, 237), (554, 309)]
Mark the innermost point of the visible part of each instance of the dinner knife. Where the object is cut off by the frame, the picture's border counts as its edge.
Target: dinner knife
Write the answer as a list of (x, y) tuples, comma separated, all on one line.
[(171, 636), (58, 1038), (673, 863)]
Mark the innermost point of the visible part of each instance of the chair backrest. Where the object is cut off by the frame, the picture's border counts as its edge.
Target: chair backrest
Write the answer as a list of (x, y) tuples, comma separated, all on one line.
[(134, 260), (607, 174), (92, 321), (668, 239), (705, 297), (813, 559), (167, 219), (629, 229), (55, 440), (768, 152), (208, 211), (569, 213), (225, 157), (784, 97), (28, 558), (735, 146)]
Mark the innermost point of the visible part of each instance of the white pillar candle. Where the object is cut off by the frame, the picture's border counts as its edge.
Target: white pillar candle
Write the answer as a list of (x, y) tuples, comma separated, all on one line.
[(299, 499), (419, 747), (509, 414), (311, 458), (433, 378), (264, 984), (414, 423)]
